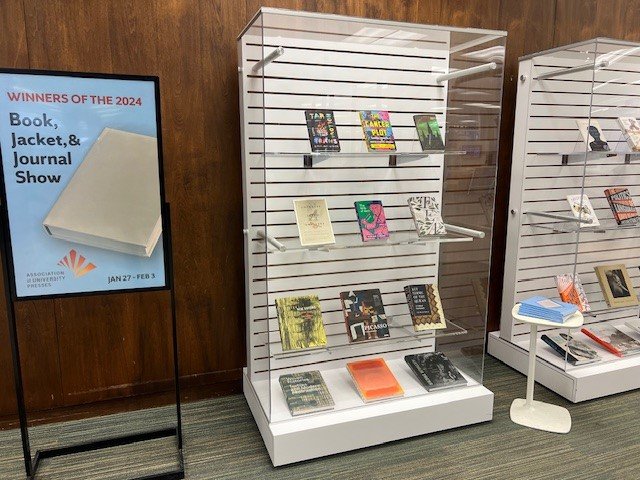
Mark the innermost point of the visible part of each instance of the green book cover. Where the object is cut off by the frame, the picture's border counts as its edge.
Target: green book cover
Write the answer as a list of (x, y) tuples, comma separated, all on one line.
[(306, 392), (300, 321), (428, 132)]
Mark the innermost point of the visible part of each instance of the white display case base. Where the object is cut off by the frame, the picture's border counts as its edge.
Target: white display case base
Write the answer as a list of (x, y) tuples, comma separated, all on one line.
[(577, 384), (541, 416), (337, 431)]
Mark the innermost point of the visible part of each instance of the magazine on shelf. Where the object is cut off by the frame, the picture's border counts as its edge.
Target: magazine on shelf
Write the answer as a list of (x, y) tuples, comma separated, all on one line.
[(426, 215), (374, 380), (306, 392), (300, 322), (314, 223), (364, 315), (616, 285), (613, 339), (622, 206), (323, 133), (371, 220), (435, 371), (583, 210), (575, 351), (425, 307), (593, 136)]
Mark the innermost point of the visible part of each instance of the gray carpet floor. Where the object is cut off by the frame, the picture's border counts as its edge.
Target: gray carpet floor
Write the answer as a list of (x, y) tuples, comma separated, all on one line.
[(222, 441)]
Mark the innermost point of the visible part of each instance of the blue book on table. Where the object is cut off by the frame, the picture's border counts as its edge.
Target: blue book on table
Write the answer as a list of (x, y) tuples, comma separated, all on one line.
[(547, 309)]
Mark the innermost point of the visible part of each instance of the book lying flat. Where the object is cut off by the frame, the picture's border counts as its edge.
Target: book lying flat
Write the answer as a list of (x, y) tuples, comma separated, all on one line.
[(575, 351), (113, 199), (547, 309), (613, 339), (374, 380), (435, 371), (306, 392)]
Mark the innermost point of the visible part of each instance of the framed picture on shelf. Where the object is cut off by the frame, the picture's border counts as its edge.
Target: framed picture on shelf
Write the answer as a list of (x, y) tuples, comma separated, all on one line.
[(616, 285)]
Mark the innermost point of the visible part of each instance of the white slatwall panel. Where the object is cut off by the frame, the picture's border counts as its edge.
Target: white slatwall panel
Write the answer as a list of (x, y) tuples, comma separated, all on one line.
[(548, 124), (345, 77)]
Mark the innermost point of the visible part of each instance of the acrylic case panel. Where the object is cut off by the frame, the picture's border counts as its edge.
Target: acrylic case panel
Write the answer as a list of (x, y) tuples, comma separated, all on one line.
[(568, 143), (296, 62)]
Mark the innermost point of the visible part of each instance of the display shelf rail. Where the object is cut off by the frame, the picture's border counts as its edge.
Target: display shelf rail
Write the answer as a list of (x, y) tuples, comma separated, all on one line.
[(572, 225)]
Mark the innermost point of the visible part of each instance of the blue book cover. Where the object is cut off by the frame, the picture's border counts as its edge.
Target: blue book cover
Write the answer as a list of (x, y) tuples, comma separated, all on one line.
[(546, 309)]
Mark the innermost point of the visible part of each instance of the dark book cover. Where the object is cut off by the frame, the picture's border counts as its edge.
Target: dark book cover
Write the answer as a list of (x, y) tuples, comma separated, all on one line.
[(306, 392), (425, 307), (577, 352), (371, 220), (428, 132), (364, 315), (378, 134), (435, 371), (323, 133), (621, 203)]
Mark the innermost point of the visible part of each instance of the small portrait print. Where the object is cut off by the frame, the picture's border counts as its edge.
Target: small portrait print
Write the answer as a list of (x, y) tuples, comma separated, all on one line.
[(617, 284)]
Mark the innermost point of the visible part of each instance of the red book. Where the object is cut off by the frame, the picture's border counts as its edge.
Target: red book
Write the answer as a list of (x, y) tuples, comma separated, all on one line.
[(613, 339), (374, 380), (621, 203)]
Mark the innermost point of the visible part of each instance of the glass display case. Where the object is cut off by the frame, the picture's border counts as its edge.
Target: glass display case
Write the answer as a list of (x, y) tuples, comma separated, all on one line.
[(573, 229), (369, 162)]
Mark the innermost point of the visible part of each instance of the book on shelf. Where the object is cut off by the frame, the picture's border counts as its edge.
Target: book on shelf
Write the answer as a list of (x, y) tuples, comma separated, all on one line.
[(435, 371), (374, 380), (583, 210), (306, 392), (371, 220), (592, 135), (425, 211), (621, 203), (571, 291), (323, 133), (364, 315), (425, 307), (546, 309), (630, 127), (314, 223), (300, 322), (613, 339), (113, 199), (633, 325), (378, 133), (428, 132), (575, 351), (616, 285)]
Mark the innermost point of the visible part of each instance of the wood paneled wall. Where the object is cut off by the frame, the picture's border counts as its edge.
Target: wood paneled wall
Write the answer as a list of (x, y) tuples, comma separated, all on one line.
[(81, 351)]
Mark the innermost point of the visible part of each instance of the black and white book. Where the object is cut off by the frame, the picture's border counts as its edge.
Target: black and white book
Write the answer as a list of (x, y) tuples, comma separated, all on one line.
[(575, 351), (306, 392), (435, 371)]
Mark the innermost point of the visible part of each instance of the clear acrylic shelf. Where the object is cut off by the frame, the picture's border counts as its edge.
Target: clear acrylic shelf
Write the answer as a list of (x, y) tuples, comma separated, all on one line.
[(309, 158), (584, 156), (602, 311), (567, 224), (455, 233), (404, 333)]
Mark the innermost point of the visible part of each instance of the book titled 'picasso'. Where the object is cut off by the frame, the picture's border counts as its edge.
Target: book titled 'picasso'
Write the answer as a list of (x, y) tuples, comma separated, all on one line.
[(371, 219), (377, 130)]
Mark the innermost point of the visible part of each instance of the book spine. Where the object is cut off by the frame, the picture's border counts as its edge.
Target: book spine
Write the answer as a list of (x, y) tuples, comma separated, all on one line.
[(597, 339)]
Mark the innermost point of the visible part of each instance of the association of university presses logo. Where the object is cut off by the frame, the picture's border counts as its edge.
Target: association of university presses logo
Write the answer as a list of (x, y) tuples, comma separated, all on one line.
[(76, 263)]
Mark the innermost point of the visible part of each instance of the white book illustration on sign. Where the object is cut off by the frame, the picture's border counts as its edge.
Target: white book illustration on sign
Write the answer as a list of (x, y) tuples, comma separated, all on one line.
[(583, 210), (426, 216), (630, 127), (113, 199)]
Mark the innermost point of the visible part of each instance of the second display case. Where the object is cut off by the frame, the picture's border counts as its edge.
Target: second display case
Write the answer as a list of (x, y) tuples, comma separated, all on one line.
[(369, 161)]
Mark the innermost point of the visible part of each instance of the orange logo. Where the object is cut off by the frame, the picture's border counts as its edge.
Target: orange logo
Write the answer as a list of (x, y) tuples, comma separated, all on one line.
[(76, 263)]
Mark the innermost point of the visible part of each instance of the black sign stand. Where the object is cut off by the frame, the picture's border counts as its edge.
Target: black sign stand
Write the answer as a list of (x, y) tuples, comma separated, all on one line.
[(32, 464)]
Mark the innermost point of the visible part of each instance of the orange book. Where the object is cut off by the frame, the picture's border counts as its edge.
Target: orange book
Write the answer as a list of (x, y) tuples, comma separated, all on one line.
[(374, 380)]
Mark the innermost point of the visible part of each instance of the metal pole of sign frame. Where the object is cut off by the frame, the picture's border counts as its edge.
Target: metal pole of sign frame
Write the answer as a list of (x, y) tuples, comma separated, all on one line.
[(32, 464)]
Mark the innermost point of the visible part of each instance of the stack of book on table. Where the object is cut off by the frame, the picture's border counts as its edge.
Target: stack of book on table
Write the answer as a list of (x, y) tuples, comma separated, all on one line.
[(547, 309)]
